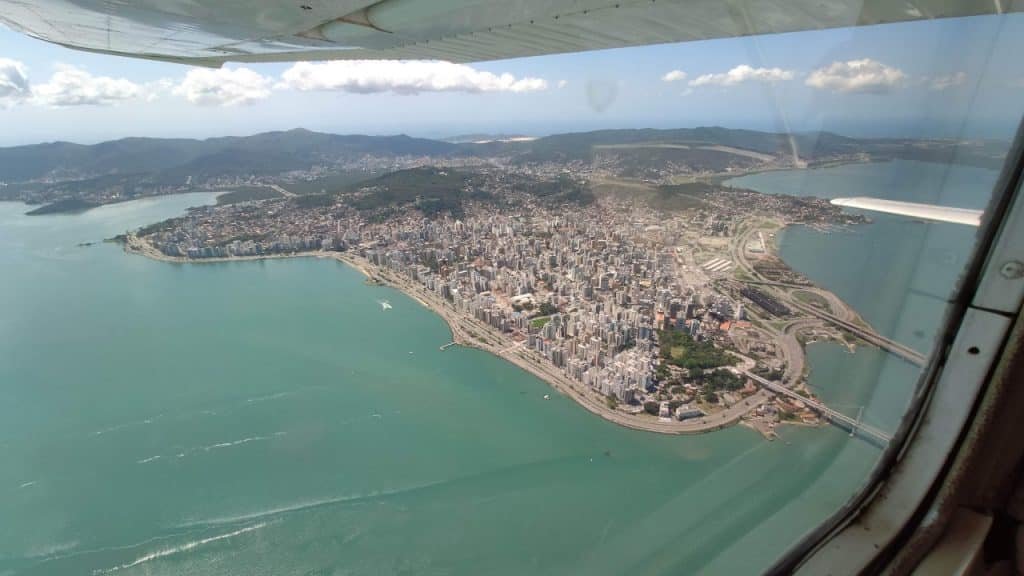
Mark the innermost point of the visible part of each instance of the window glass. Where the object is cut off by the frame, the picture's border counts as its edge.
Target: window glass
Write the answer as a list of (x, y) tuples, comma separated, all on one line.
[(655, 309)]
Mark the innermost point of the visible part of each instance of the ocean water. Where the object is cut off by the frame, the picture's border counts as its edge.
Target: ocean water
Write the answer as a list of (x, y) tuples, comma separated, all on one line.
[(271, 418), (897, 272)]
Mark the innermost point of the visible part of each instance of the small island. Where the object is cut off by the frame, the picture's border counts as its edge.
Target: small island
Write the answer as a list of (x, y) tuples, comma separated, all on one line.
[(67, 206)]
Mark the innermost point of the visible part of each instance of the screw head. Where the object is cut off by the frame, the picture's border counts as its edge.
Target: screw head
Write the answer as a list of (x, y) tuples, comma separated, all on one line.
[(1012, 270)]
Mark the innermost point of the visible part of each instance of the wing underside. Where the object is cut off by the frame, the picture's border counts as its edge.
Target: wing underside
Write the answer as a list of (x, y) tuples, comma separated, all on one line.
[(211, 32), (932, 212)]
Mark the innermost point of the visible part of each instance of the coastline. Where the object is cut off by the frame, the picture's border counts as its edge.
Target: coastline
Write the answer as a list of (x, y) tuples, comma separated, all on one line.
[(470, 332)]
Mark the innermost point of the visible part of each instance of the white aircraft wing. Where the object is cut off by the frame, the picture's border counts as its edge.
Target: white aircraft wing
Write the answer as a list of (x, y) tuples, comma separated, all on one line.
[(913, 209), (211, 32)]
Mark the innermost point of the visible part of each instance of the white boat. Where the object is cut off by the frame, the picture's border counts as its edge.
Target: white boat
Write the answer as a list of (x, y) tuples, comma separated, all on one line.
[(385, 305)]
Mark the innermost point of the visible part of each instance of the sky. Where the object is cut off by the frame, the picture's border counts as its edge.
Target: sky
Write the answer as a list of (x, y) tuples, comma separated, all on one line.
[(941, 78)]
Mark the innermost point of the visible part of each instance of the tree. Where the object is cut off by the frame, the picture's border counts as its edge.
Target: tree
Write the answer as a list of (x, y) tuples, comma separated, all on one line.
[(680, 349), (547, 308), (722, 380), (652, 407), (661, 372)]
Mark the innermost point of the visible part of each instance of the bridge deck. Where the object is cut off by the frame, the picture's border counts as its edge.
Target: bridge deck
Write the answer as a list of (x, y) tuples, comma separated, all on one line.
[(828, 413)]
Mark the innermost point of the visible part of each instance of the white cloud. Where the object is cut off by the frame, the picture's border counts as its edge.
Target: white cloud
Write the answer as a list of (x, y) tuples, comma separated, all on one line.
[(223, 87), (674, 76), (864, 76), (70, 86), (947, 81), (740, 74), (402, 77), (13, 82), (563, 83), (157, 88)]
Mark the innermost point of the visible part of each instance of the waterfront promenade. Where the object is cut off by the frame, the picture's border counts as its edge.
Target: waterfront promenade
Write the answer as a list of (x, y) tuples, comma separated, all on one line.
[(469, 331)]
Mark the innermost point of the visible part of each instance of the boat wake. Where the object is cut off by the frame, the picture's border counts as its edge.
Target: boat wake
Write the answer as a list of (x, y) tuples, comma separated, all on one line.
[(126, 425), (307, 505), (384, 305), (217, 446), (267, 397), (240, 442), (51, 550), (188, 546)]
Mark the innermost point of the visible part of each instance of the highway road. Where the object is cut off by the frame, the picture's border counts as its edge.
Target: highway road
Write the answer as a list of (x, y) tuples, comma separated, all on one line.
[(282, 191), (841, 316), (469, 331)]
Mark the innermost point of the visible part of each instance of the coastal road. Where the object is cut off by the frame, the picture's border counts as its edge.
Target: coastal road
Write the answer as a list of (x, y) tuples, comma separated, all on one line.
[(793, 352), (843, 318), (892, 346), (469, 331)]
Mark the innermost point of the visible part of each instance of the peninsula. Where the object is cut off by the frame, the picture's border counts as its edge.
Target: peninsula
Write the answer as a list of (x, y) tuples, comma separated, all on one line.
[(651, 318), (613, 264)]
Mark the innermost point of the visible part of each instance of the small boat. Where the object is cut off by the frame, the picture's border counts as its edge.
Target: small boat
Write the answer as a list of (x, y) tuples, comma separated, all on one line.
[(547, 396), (384, 305)]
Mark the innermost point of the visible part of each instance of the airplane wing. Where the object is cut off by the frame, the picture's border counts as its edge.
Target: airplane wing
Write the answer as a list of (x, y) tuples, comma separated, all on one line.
[(211, 32), (913, 209)]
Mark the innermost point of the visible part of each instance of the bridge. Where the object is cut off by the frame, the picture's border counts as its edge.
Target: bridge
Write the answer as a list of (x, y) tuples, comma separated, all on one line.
[(887, 344), (838, 418), (282, 191)]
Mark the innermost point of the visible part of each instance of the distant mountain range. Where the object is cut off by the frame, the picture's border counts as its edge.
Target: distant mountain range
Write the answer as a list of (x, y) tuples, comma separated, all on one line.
[(267, 153), (134, 167)]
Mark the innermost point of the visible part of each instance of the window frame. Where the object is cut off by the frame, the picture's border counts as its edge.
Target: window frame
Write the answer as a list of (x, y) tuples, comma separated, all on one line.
[(900, 494)]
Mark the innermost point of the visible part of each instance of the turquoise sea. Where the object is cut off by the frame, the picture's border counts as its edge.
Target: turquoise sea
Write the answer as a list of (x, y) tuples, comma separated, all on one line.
[(897, 272), (271, 418)]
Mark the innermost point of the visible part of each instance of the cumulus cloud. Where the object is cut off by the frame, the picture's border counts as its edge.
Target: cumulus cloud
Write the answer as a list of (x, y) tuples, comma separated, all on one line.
[(13, 81), (401, 77), (740, 74), (563, 83), (863, 76), (947, 81), (223, 87), (71, 86), (152, 91), (674, 76)]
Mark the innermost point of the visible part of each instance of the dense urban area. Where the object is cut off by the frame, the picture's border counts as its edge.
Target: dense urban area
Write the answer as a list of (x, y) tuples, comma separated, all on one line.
[(616, 266)]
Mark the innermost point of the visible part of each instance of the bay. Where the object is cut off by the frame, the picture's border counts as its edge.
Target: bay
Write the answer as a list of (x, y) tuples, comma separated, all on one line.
[(270, 417), (898, 273)]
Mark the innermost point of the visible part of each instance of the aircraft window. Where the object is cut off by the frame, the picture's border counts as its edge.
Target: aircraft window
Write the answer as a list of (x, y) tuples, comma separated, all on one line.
[(656, 309)]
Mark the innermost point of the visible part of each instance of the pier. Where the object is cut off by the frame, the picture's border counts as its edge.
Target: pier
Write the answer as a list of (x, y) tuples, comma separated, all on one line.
[(447, 346)]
